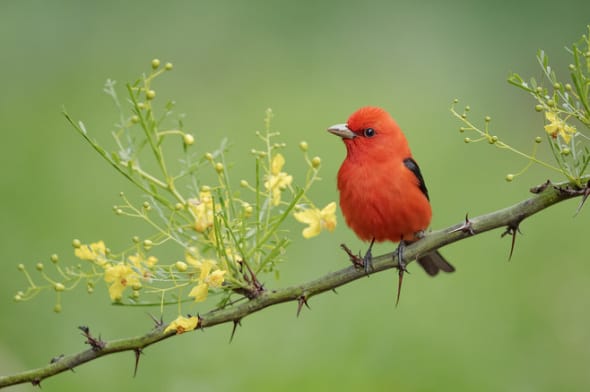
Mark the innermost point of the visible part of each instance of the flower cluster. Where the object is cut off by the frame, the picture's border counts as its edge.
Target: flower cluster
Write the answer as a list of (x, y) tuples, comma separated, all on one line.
[(566, 108), (226, 236)]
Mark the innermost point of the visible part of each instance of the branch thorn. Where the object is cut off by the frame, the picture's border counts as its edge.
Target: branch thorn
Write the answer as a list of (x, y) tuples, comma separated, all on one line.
[(95, 344), (233, 331), (540, 188), (356, 260), (200, 323), (302, 300), (401, 267), (158, 323), (466, 227), (250, 277), (137, 351), (585, 194), (57, 359), (512, 229)]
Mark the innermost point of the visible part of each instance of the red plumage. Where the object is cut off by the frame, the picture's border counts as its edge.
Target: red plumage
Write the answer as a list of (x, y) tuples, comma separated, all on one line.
[(382, 193)]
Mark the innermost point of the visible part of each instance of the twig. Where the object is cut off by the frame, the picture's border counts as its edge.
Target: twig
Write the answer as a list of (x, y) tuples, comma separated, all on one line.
[(507, 217)]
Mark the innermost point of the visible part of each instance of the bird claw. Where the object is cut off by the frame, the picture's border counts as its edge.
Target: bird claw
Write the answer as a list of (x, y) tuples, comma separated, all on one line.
[(368, 258), (466, 227)]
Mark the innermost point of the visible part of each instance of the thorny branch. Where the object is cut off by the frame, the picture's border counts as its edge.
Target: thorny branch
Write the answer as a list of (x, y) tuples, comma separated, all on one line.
[(545, 196)]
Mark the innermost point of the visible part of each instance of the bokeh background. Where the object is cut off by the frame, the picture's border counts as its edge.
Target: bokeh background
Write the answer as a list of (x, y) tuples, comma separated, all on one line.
[(494, 325)]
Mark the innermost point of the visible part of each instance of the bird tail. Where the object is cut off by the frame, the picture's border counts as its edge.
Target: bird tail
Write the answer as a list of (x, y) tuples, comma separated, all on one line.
[(434, 262)]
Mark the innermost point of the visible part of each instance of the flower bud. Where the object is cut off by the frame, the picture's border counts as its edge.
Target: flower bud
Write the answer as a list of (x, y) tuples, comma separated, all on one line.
[(168, 66), (303, 146), (219, 167), (155, 63), (181, 266), (76, 243), (59, 287), (538, 139), (39, 266), (54, 258), (150, 94), (539, 108), (247, 209), (188, 139), (316, 162), (509, 177), (244, 183)]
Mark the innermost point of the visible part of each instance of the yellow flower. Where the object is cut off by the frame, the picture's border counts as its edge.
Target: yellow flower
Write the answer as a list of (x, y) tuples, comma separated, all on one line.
[(557, 126), (277, 181), (202, 209), (206, 280), (199, 292), (317, 220), (120, 276), (215, 279), (143, 265), (95, 252), (140, 262), (182, 324)]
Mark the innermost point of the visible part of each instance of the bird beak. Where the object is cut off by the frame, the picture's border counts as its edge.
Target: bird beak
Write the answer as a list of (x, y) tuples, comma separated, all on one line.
[(342, 130)]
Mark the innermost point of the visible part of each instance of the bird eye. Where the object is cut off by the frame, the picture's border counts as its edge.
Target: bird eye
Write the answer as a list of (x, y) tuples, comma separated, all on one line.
[(369, 132)]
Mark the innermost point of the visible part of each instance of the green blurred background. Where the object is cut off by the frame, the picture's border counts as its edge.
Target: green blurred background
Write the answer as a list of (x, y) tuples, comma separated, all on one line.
[(494, 325)]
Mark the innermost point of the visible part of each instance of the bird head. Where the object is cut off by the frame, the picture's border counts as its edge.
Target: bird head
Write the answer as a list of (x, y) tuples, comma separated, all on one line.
[(370, 130)]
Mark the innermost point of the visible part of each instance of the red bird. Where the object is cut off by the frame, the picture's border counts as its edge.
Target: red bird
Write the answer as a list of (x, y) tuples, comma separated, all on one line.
[(382, 192)]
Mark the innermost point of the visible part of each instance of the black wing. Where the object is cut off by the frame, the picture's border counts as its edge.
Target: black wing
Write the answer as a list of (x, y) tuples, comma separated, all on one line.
[(411, 164)]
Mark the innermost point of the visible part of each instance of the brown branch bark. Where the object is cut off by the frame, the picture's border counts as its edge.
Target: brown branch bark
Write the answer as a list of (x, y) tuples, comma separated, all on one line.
[(510, 217)]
